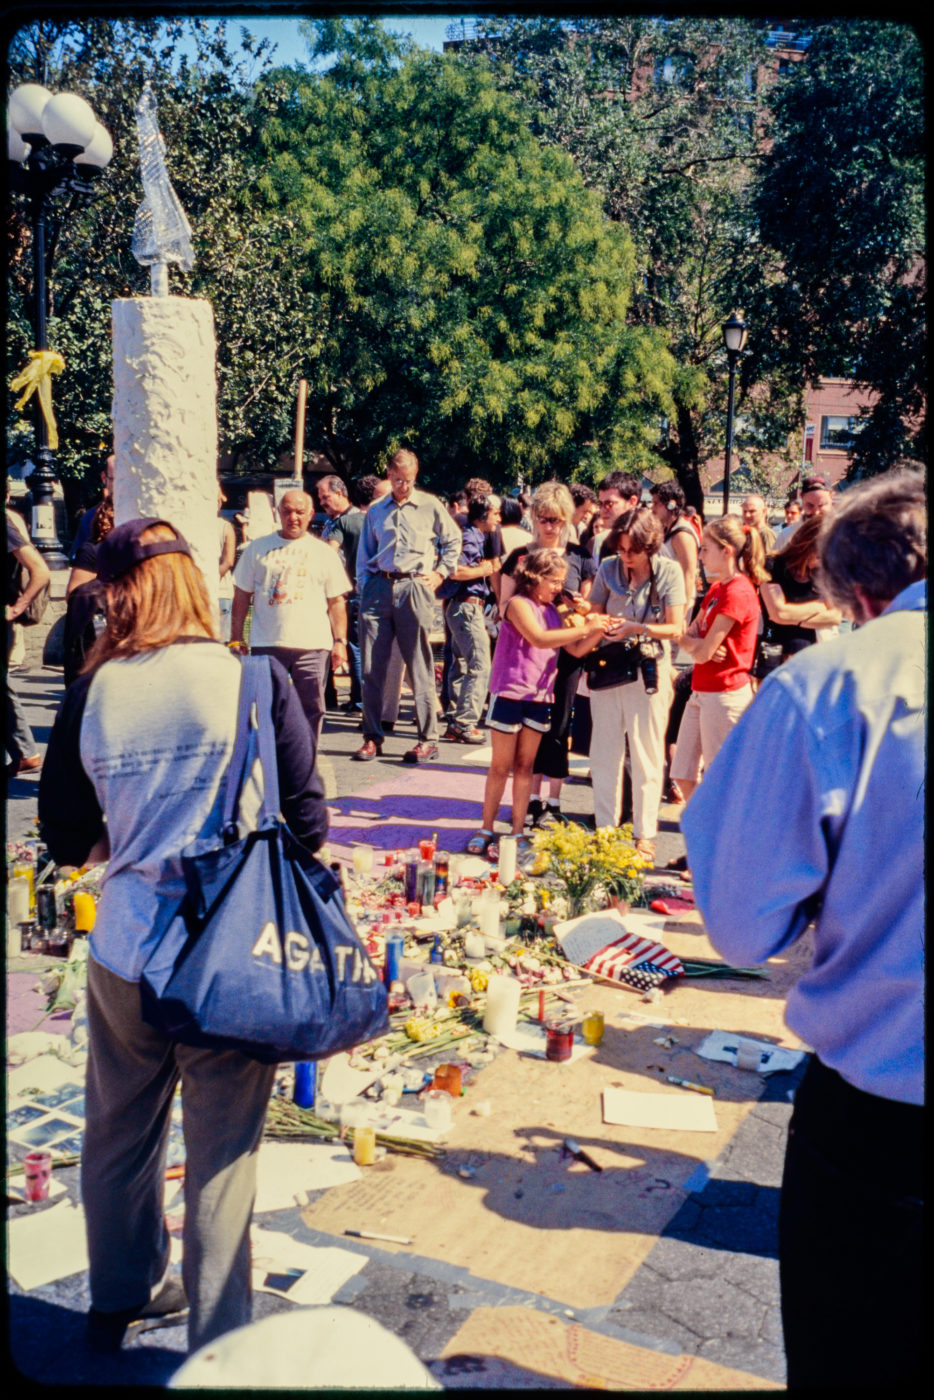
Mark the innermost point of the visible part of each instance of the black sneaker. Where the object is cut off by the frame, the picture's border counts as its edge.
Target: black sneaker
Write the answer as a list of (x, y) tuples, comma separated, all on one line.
[(550, 816), (533, 815)]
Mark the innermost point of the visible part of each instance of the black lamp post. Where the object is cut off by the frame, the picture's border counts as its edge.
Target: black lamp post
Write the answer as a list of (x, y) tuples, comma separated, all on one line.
[(56, 148), (734, 333)]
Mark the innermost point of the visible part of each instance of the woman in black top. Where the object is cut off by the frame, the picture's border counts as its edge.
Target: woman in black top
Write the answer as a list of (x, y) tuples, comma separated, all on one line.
[(552, 514), (794, 609)]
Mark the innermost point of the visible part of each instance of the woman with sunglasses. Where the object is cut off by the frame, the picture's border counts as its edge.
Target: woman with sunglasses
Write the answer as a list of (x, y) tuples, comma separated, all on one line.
[(552, 517)]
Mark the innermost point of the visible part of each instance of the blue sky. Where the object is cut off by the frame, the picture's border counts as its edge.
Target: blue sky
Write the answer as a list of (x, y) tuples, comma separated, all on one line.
[(427, 30)]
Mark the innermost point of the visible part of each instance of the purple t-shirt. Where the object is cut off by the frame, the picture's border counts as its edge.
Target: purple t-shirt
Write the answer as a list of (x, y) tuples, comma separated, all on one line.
[(520, 670)]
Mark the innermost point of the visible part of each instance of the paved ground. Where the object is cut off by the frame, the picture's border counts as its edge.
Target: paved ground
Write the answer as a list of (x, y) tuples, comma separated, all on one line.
[(708, 1287)]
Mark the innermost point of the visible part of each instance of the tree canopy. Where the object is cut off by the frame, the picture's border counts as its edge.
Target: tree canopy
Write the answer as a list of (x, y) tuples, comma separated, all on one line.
[(840, 209), (664, 121)]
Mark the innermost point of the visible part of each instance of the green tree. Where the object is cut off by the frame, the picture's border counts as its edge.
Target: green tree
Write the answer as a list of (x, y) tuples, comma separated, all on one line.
[(663, 117), (840, 207), (210, 109), (468, 295)]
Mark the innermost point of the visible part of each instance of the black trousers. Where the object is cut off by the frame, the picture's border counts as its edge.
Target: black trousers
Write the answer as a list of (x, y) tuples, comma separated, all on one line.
[(850, 1237)]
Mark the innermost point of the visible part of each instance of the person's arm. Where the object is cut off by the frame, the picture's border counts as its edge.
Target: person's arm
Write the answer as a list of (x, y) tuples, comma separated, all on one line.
[(747, 817), (522, 616), (337, 616), (229, 551), (447, 540), (34, 564), (238, 611), (701, 649), (684, 548), (77, 577), (70, 816), (301, 794), (812, 613)]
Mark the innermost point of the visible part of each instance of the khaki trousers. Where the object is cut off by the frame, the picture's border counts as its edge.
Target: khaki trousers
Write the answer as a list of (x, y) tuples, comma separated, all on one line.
[(617, 712), (132, 1072)]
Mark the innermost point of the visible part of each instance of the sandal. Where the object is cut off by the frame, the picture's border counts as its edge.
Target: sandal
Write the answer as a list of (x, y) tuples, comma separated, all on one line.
[(480, 843)]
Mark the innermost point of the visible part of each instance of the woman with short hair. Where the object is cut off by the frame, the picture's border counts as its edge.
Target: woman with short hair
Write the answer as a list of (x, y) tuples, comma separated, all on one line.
[(645, 590), (135, 772)]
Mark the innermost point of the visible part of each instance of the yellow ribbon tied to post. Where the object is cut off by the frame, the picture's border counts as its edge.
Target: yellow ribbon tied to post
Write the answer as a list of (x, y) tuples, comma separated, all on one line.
[(37, 377)]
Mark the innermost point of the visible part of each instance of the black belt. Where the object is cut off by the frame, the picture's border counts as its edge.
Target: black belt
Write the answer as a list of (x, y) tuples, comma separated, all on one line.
[(386, 574)]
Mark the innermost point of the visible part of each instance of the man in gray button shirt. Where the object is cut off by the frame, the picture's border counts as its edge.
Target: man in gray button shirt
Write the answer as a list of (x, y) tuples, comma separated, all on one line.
[(408, 546)]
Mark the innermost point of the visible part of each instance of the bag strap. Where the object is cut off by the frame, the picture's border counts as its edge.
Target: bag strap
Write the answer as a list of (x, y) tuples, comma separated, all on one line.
[(254, 739)]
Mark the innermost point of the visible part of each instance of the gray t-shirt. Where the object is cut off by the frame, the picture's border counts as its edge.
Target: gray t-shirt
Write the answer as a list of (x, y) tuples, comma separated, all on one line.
[(611, 591)]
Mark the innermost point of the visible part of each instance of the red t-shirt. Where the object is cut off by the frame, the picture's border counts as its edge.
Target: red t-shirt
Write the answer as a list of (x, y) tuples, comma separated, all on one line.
[(739, 600)]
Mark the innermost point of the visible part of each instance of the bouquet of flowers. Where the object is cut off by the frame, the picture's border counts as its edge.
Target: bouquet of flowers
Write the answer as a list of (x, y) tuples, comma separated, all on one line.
[(584, 862)]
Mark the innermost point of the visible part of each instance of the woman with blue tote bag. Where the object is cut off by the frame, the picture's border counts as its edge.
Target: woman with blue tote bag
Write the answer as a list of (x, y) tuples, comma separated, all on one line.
[(134, 774)]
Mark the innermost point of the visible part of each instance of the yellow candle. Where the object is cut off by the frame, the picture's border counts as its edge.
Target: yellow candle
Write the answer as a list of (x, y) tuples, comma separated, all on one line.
[(592, 1027), (364, 1145), (85, 911)]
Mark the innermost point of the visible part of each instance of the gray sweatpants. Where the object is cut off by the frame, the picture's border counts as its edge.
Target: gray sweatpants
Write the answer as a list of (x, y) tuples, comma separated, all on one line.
[(404, 609), (132, 1072), (470, 671)]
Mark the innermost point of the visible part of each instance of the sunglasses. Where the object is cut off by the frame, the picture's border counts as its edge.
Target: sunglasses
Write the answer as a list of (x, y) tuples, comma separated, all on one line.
[(549, 520)]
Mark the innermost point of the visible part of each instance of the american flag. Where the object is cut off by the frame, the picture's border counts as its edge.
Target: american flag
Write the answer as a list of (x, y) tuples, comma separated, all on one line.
[(645, 975), (631, 950)]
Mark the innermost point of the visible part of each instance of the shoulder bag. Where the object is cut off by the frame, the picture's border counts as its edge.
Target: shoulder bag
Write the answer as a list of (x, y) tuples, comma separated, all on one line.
[(260, 955), (617, 663)]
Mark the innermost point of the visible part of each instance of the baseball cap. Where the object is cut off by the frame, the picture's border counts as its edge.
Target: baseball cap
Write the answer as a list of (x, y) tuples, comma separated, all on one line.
[(815, 483), (123, 549)]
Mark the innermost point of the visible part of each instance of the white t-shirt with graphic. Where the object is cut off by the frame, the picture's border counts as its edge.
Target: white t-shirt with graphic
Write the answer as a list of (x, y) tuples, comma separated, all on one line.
[(291, 582)]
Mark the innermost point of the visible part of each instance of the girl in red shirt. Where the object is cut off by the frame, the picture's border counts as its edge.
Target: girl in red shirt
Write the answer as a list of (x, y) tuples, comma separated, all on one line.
[(722, 641)]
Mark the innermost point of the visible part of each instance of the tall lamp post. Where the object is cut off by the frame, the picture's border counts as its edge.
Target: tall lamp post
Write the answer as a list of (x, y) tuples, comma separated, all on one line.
[(56, 149), (734, 333)]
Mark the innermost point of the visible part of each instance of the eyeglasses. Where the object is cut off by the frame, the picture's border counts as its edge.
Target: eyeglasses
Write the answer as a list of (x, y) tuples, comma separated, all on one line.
[(549, 520)]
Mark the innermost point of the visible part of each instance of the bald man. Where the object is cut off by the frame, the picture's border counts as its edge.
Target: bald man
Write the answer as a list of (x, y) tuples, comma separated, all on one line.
[(297, 585), (754, 515)]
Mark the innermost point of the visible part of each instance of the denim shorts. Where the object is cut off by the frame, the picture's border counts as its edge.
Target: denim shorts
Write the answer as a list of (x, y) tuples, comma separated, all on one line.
[(509, 716)]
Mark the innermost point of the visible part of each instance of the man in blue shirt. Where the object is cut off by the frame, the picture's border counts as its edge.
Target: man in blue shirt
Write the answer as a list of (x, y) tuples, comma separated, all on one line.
[(813, 812), (466, 594)]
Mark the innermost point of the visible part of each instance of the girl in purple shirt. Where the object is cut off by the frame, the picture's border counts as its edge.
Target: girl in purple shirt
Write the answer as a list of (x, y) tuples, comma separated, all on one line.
[(522, 686)]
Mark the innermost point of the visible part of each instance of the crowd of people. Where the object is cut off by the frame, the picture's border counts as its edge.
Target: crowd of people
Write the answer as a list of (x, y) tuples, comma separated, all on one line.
[(561, 615)]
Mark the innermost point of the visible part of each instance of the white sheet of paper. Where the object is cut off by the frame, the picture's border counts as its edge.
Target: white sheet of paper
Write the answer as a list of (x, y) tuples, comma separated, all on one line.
[(339, 1083), (43, 1073), (47, 1246), (721, 1045), (327, 1268), (681, 1111), (399, 1121), (16, 1187), (285, 1169), (580, 938), (530, 1040)]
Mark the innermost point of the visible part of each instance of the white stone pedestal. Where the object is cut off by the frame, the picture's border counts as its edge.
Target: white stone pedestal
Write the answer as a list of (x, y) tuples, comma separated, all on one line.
[(165, 420)]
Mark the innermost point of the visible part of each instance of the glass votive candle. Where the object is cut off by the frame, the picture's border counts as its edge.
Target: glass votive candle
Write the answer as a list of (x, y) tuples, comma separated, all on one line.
[(448, 1078), (436, 1105), (364, 1145), (426, 848), (559, 1040), (362, 859), (592, 1027)]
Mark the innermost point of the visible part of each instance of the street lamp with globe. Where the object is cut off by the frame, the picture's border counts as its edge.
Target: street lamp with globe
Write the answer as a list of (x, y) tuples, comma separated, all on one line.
[(57, 149), (734, 332)]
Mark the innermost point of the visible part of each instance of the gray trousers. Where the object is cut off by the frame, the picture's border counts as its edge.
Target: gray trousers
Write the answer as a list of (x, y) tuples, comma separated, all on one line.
[(470, 671), (404, 609), (132, 1072), (309, 672)]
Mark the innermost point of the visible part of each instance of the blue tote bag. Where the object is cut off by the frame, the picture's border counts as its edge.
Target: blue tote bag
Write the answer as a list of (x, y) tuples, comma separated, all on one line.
[(260, 955)]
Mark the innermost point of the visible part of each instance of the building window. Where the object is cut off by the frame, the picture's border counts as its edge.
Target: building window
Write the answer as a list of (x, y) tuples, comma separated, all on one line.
[(838, 434), (675, 70)]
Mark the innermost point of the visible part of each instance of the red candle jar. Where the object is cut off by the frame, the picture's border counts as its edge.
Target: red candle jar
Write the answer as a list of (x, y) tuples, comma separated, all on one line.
[(559, 1040)]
